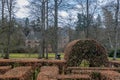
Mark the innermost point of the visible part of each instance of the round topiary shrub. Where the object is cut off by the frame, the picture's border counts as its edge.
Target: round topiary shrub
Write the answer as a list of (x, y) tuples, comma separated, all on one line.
[(89, 50)]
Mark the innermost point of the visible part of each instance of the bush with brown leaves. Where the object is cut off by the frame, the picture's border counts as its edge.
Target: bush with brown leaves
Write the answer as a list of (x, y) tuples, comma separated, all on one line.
[(18, 73), (90, 50)]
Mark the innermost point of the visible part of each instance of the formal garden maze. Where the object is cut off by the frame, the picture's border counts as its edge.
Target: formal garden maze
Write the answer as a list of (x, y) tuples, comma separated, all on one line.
[(98, 65)]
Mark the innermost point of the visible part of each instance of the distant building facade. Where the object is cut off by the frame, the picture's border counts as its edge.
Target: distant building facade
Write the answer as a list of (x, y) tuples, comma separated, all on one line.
[(33, 39)]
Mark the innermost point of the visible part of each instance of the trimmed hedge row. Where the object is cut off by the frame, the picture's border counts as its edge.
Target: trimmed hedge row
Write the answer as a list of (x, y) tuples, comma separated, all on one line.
[(31, 62), (52, 73), (18, 73), (74, 76), (92, 68), (48, 73), (110, 75), (91, 73), (97, 73), (4, 69)]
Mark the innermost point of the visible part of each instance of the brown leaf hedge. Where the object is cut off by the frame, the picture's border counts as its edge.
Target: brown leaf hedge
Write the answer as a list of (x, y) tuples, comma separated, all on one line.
[(89, 50), (18, 73), (4, 69), (48, 73)]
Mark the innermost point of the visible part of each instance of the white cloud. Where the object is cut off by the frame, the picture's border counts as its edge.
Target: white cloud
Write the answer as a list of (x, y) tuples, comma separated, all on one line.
[(22, 2), (78, 6), (22, 12), (70, 13), (63, 13)]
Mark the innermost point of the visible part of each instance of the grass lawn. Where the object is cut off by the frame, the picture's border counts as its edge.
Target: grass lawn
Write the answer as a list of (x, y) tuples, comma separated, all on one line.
[(110, 58), (29, 55)]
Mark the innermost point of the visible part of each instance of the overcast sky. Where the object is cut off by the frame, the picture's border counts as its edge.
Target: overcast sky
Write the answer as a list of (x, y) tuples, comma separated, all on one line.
[(22, 12)]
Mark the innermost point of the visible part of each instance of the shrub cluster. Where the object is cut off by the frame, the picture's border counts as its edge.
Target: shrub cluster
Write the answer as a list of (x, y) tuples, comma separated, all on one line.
[(111, 53), (90, 50), (25, 50)]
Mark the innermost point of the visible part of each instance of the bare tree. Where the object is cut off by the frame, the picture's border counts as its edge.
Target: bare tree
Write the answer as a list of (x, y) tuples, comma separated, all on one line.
[(3, 21), (3, 7), (10, 12), (44, 26), (116, 29), (87, 8), (87, 16), (111, 14), (43, 29), (108, 22), (56, 4), (56, 26), (46, 35)]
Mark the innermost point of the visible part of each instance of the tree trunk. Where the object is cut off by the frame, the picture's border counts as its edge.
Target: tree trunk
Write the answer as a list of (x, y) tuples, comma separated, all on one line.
[(9, 6), (56, 27), (116, 28), (3, 22), (46, 30), (42, 46), (3, 6), (87, 26), (110, 41)]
